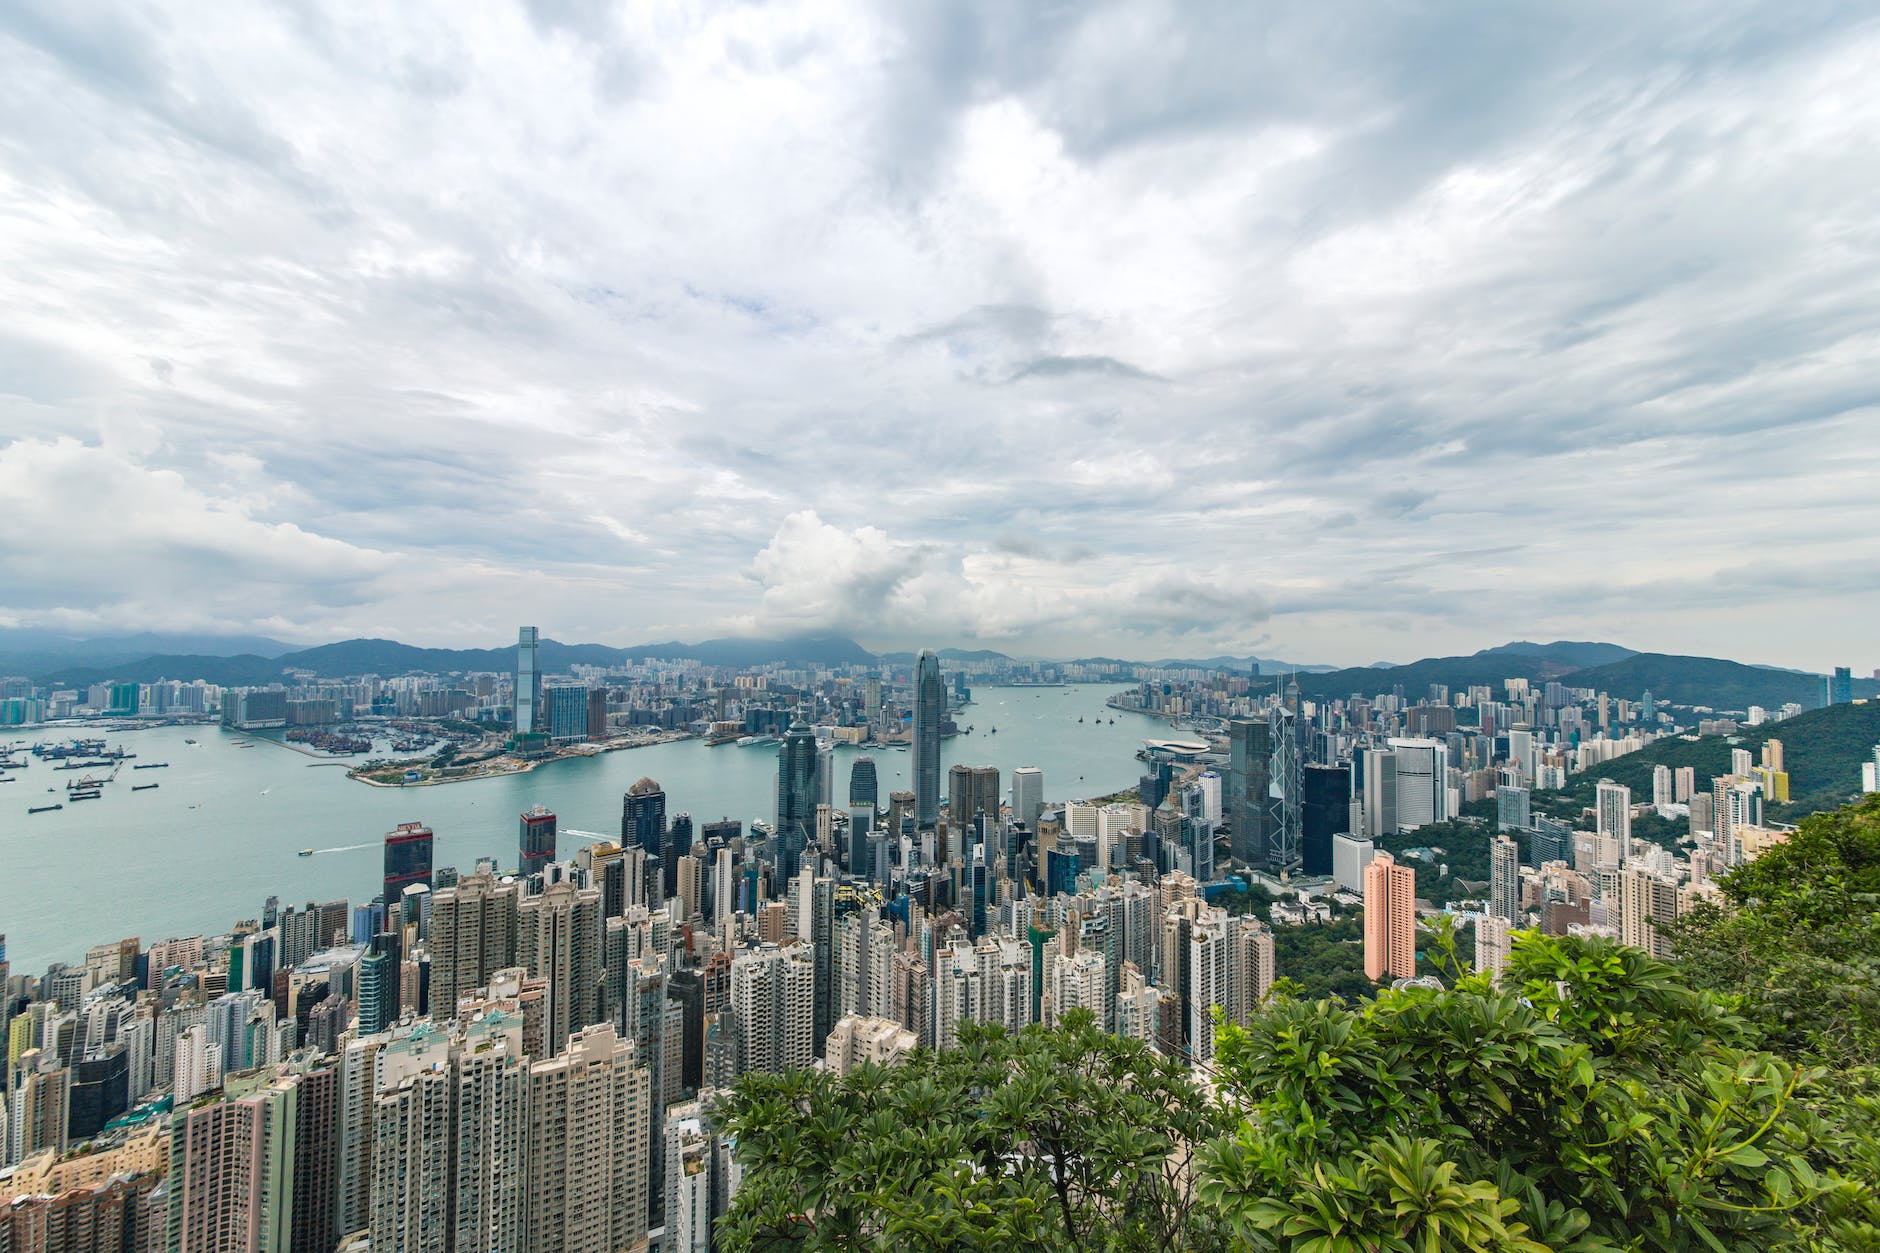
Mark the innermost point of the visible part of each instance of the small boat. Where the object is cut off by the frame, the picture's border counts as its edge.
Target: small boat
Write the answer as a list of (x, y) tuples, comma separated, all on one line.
[(306, 852), (1080, 718), (42, 809), (142, 787), (191, 743)]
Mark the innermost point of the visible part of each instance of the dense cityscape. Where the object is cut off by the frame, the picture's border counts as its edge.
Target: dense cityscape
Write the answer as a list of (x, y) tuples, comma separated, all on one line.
[(529, 1052), (833, 627)]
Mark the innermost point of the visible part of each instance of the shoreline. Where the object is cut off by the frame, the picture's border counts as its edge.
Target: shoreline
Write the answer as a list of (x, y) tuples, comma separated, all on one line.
[(526, 767)]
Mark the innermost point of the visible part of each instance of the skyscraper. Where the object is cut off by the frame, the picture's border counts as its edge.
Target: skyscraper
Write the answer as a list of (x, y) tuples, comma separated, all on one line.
[(231, 1174), (1285, 823), (864, 789), (473, 935), (1512, 807), (1422, 782), (676, 843), (1390, 919), (588, 1153), (1324, 813), (1250, 763), (1504, 878), (558, 938), (930, 707), (564, 715), (643, 817), (1027, 795), (972, 790), (1614, 801), (528, 693), (1645, 901), (773, 1007), (1838, 688), (796, 799), (643, 827), (537, 841), (407, 860), (1380, 793)]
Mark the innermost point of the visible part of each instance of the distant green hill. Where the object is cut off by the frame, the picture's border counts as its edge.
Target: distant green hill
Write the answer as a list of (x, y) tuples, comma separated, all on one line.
[(1823, 751), (1416, 676), (1710, 681), (389, 657), (1572, 653), (1701, 681)]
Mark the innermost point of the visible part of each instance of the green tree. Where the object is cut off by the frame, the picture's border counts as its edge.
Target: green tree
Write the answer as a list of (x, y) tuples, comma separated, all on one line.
[(1069, 1138), (1796, 944), (1594, 1102)]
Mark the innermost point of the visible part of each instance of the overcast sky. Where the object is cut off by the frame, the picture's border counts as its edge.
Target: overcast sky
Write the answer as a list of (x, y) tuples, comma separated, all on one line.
[(1332, 332)]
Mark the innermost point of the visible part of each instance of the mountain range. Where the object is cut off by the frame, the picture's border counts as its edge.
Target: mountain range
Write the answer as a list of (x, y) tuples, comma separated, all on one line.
[(389, 657), (239, 660)]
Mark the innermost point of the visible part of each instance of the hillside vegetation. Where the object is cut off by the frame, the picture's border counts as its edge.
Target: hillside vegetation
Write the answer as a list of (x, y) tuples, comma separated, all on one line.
[(1823, 751)]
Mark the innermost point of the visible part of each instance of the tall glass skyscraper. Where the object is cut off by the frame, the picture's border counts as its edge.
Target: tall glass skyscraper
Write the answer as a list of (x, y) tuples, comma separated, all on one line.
[(797, 794), (1249, 773), (863, 787), (528, 681), (930, 706)]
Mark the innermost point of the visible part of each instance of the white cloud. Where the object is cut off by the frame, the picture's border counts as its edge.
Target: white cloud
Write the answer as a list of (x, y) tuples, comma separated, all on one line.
[(818, 576), (92, 539), (657, 322)]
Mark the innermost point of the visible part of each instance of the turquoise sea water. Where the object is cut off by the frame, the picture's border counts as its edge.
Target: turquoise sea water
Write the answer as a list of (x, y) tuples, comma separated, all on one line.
[(223, 830)]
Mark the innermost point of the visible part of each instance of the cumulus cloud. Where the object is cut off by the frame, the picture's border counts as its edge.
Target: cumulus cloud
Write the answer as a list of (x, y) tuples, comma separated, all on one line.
[(91, 538), (1098, 328), (815, 575)]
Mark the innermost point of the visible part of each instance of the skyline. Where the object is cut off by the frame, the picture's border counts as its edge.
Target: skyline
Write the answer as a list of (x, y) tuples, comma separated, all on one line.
[(1099, 332)]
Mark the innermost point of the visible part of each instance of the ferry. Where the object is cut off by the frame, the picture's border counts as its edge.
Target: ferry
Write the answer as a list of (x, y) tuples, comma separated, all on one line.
[(44, 809)]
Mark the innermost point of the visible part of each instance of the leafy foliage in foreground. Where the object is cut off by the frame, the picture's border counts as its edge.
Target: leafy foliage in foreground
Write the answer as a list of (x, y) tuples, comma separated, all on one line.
[(1046, 1139), (1595, 1100), (1593, 1103), (1798, 949)]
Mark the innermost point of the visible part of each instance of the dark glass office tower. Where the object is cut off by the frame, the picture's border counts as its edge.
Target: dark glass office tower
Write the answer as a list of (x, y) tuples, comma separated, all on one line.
[(538, 841), (1249, 773), (863, 788), (676, 844), (643, 817), (930, 706), (796, 800), (1325, 813), (407, 858)]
